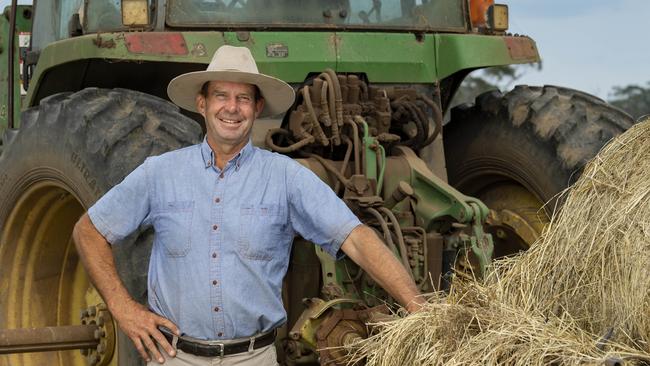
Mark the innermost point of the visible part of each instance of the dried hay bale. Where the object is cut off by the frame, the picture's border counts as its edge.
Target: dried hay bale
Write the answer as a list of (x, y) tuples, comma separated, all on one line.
[(593, 260), (580, 295), (472, 326)]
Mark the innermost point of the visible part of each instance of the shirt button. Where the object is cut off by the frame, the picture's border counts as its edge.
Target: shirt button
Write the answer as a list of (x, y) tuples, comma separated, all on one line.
[(215, 227), (217, 200), (214, 255), (219, 334), (214, 282), (216, 308), (221, 175)]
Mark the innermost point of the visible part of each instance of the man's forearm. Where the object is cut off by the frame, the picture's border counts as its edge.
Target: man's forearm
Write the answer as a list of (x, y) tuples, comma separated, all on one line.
[(370, 253), (97, 257), (135, 320)]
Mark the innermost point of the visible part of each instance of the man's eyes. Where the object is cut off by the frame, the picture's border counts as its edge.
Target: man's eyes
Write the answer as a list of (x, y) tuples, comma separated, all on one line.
[(240, 98)]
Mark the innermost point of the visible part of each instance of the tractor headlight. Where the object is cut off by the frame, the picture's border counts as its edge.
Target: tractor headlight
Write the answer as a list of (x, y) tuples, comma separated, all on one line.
[(135, 12), (497, 17), (485, 14)]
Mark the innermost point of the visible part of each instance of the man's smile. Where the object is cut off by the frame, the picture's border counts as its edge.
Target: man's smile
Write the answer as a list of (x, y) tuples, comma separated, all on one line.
[(230, 121)]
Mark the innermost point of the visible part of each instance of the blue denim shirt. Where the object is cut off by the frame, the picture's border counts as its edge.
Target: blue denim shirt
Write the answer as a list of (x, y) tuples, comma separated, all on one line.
[(222, 237)]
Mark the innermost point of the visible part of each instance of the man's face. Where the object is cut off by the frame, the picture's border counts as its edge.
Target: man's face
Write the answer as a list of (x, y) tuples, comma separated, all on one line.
[(229, 110)]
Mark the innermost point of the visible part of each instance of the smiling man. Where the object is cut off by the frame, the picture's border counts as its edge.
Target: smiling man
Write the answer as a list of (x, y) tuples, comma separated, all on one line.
[(224, 215)]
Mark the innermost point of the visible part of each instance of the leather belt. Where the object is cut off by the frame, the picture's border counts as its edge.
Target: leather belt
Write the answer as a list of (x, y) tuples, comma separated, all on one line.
[(199, 347)]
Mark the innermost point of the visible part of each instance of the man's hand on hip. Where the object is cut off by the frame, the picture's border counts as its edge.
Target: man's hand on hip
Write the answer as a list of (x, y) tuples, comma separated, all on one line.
[(136, 321), (141, 325)]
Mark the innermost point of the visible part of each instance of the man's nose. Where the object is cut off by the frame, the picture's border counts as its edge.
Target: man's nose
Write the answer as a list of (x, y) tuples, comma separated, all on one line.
[(231, 104)]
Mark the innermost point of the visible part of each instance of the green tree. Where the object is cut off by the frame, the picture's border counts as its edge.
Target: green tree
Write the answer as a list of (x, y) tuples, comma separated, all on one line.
[(634, 99)]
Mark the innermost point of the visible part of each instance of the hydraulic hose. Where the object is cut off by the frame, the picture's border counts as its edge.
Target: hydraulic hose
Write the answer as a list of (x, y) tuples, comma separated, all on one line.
[(359, 120), (332, 106), (318, 131), (324, 106), (381, 161), (291, 148), (355, 137), (329, 167), (385, 229), (338, 96), (437, 119), (400, 239), (420, 136), (346, 160)]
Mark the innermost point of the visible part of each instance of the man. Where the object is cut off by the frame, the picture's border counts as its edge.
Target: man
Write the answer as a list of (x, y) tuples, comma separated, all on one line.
[(224, 215)]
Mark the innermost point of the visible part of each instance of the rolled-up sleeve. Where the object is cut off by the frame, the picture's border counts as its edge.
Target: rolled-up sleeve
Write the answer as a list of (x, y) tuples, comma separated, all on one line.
[(317, 213), (124, 208)]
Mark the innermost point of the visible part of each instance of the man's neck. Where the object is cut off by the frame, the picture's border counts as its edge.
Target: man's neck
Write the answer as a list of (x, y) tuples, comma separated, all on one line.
[(223, 153)]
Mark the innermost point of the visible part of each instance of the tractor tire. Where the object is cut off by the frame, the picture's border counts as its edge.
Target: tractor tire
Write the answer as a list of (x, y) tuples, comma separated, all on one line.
[(68, 152), (518, 151)]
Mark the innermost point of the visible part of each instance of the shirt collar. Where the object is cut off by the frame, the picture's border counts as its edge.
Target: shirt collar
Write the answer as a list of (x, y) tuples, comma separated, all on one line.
[(208, 155)]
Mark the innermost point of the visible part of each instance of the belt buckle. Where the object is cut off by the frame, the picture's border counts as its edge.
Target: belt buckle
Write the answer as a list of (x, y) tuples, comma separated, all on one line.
[(221, 347)]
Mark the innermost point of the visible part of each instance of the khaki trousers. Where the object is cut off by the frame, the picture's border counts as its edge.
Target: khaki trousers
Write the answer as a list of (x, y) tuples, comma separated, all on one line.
[(265, 356)]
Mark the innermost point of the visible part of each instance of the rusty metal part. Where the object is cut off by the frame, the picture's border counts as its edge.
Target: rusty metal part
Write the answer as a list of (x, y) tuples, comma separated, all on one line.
[(341, 330), (433, 258), (418, 251), (516, 219), (167, 43), (103, 43), (401, 192), (95, 337), (330, 104), (521, 48), (407, 113), (354, 89), (506, 222), (360, 186), (322, 324), (48, 339), (311, 318), (101, 318)]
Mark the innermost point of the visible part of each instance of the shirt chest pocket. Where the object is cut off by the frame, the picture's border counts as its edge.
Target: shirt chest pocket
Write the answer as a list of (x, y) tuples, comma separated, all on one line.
[(174, 227), (261, 231)]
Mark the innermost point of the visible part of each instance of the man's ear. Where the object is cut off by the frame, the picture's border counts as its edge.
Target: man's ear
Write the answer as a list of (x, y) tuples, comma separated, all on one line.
[(200, 104), (259, 106)]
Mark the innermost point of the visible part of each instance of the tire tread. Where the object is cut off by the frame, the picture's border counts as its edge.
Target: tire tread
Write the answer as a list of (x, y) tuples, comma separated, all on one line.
[(575, 123)]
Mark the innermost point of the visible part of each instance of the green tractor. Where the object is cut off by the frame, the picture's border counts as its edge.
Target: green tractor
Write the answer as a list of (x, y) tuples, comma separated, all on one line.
[(83, 102)]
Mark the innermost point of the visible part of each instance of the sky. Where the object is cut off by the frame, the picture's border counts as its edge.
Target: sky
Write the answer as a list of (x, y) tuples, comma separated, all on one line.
[(590, 45)]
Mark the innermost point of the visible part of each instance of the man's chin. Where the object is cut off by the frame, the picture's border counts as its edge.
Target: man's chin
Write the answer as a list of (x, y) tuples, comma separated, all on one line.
[(232, 140)]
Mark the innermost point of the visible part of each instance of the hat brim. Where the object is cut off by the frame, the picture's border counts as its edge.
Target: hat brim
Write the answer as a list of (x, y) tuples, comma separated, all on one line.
[(278, 95)]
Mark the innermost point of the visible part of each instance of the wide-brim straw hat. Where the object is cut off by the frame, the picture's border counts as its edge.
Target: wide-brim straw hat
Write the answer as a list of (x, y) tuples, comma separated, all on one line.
[(234, 64)]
